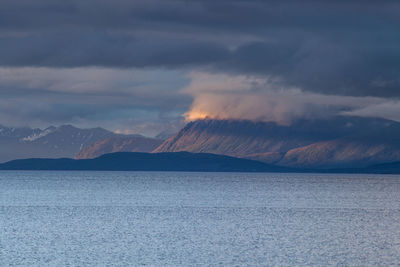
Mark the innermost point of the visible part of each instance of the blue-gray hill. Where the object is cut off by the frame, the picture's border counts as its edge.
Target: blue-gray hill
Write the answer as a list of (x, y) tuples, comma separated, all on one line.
[(136, 161)]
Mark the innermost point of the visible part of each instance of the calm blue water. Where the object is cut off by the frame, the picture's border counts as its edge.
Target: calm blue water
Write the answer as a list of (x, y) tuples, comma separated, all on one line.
[(180, 219)]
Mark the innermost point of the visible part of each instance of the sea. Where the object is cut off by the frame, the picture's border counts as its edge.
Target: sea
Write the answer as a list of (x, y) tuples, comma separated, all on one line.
[(74, 218)]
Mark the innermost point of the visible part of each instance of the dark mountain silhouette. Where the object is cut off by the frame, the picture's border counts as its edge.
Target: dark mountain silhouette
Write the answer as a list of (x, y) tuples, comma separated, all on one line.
[(119, 144), (135, 161), (340, 141), (178, 161), (384, 168)]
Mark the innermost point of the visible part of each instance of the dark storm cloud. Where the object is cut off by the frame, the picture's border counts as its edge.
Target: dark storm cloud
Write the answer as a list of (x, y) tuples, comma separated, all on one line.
[(101, 49), (322, 66), (333, 47)]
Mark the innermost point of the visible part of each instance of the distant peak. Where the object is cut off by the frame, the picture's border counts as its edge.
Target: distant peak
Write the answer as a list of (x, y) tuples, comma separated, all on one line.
[(51, 128), (66, 126)]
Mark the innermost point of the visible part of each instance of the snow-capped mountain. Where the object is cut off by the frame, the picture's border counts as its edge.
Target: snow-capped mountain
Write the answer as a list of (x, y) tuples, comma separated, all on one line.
[(52, 142)]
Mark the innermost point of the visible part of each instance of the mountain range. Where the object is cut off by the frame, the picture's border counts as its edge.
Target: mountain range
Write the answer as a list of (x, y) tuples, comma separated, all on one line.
[(336, 142), (52, 142)]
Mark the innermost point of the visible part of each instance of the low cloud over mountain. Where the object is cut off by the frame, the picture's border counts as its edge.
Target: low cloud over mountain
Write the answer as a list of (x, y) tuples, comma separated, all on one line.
[(264, 99)]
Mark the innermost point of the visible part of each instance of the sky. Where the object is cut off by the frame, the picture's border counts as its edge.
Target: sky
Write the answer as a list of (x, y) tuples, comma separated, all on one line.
[(147, 66)]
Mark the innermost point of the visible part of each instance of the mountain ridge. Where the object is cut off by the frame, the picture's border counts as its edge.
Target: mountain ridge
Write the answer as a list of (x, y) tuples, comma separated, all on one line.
[(61, 141), (139, 161), (177, 161), (340, 141), (119, 144)]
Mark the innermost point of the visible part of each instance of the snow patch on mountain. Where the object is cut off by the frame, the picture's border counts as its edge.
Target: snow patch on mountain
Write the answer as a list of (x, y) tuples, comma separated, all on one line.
[(36, 136)]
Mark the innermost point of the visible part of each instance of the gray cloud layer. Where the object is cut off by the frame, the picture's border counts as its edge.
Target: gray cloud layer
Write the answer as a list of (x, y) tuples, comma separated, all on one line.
[(127, 100), (334, 47), (72, 61)]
